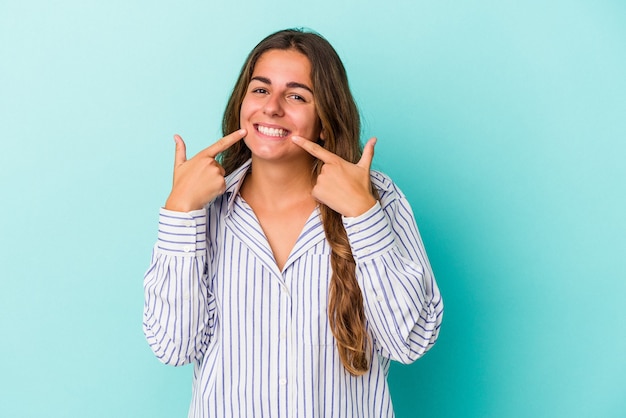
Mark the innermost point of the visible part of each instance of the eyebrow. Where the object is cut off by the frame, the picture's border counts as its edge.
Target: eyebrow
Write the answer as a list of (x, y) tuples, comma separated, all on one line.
[(291, 84)]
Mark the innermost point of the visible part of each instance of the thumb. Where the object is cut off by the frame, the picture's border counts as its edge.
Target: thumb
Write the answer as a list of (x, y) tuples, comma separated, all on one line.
[(180, 156), (368, 154)]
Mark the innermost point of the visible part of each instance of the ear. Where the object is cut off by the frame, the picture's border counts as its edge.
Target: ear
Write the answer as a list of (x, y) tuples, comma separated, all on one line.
[(323, 134)]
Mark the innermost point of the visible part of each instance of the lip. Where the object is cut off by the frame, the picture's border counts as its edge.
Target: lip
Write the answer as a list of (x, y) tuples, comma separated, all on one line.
[(271, 126)]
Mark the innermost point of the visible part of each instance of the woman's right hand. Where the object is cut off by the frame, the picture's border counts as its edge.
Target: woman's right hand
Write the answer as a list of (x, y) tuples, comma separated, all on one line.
[(199, 180)]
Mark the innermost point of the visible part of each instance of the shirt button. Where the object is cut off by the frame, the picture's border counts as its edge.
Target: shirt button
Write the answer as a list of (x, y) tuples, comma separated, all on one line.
[(367, 251), (380, 298), (356, 229), (187, 248), (188, 223), (282, 382)]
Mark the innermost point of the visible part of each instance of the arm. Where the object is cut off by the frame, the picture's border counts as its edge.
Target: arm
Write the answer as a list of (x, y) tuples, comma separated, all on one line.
[(402, 303), (179, 310), (401, 299)]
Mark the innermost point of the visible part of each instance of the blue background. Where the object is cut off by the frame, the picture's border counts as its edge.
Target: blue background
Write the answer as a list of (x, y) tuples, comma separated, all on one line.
[(504, 122)]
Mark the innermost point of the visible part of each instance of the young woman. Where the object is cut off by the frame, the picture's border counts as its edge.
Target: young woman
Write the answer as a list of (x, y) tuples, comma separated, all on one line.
[(287, 271)]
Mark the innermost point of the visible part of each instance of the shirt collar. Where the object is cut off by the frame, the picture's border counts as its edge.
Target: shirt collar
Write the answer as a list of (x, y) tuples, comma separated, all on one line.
[(233, 183)]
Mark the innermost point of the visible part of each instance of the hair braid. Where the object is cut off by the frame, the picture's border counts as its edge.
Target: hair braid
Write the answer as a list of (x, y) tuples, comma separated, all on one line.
[(345, 300)]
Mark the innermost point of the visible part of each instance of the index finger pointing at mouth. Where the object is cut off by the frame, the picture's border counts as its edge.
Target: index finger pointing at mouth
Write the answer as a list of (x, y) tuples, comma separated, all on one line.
[(224, 143), (315, 150)]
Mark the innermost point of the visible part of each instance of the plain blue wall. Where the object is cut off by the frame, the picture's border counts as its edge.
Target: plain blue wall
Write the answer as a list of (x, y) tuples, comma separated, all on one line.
[(504, 122)]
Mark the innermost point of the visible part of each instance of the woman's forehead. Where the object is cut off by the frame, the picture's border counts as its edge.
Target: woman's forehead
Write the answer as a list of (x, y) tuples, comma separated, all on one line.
[(279, 63)]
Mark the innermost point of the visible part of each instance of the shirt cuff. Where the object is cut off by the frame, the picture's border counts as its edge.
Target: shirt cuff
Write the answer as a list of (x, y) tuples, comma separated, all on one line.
[(369, 234), (182, 233)]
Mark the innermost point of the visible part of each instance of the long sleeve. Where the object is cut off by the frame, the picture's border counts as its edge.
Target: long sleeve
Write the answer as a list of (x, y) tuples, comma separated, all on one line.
[(402, 303), (178, 306)]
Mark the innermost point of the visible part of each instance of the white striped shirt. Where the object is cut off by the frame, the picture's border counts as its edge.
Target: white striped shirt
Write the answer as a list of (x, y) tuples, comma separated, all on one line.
[(259, 338)]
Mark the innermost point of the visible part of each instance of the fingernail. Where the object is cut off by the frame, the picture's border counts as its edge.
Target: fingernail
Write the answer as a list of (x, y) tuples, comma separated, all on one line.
[(295, 138)]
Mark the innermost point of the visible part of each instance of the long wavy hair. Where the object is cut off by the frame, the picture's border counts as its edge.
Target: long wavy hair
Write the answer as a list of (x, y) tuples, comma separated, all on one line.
[(341, 128)]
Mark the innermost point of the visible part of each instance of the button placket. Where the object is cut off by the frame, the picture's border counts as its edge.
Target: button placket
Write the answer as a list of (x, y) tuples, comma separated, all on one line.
[(283, 336)]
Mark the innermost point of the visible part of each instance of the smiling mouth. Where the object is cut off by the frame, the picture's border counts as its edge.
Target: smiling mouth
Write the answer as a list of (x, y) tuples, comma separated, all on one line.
[(273, 132)]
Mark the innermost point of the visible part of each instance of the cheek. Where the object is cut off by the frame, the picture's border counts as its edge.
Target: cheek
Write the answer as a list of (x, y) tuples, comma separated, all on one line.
[(246, 111), (243, 112), (308, 121), (315, 125)]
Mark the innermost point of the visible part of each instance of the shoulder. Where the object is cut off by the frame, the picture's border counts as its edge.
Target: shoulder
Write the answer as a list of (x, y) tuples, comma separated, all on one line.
[(388, 191)]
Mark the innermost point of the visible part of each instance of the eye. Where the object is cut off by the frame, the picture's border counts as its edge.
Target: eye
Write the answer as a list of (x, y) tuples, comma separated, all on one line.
[(297, 97), (259, 90)]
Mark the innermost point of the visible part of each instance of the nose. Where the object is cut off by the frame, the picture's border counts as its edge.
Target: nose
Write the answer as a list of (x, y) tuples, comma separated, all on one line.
[(273, 106)]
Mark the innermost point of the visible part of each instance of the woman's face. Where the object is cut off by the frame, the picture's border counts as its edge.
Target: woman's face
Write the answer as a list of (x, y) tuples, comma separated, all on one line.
[(279, 103)]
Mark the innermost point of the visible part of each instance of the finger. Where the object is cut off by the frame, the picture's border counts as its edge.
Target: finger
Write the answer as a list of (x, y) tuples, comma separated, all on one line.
[(223, 144), (180, 155), (314, 149), (368, 154)]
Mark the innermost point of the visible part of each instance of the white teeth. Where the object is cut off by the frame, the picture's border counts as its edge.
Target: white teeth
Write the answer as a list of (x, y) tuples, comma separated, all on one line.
[(271, 131)]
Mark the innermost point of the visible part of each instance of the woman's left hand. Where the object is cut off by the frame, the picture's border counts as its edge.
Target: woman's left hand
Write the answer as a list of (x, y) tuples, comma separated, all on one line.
[(341, 185)]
